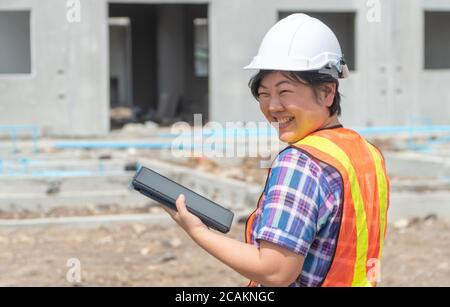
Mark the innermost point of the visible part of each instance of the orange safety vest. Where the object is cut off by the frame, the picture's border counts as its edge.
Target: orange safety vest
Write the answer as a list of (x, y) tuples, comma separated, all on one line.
[(356, 261)]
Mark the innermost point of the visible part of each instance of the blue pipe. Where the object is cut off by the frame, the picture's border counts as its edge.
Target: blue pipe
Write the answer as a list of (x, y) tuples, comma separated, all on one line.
[(272, 131), (64, 174), (119, 145), (13, 130), (403, 129), (168, 145)]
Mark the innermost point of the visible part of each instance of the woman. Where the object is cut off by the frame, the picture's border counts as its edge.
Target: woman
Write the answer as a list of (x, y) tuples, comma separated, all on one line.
[(321, 218)]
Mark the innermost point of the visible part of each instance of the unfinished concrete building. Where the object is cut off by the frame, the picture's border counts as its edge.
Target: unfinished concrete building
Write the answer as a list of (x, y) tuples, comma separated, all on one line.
[(65, 63)]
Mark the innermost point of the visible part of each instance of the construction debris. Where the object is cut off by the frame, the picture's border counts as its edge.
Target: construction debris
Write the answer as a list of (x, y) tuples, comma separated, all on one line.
[(53, 188)]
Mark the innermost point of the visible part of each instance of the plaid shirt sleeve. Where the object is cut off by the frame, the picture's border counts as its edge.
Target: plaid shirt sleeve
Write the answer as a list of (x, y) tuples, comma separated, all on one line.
[(291, 206)]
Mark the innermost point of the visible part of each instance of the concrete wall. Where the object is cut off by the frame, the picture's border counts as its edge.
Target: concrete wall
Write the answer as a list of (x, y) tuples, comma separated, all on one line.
[(171, 59), (388, 87), (68, 87), (230, 96), (421, 89), (67, 90)]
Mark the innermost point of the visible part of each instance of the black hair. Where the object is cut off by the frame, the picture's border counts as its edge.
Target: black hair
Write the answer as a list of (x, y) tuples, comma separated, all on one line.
[(312, 78)]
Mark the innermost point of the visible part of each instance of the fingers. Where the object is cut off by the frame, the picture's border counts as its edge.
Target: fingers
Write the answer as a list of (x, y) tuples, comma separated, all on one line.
[(181, 204), (176, 215), (181, 208), (171, 212)]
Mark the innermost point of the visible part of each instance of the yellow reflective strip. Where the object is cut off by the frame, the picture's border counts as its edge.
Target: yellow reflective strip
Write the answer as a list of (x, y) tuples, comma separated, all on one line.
[(382, 194), (362, 244)]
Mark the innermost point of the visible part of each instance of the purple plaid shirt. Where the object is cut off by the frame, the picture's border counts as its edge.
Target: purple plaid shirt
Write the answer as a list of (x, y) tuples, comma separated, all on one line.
[(300, 210)]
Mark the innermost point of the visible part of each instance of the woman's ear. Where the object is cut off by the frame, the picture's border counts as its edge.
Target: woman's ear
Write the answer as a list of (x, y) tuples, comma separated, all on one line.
[(328, 93)]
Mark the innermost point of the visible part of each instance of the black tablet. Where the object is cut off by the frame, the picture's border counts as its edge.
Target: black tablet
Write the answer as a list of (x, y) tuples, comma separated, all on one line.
[(166, 192)]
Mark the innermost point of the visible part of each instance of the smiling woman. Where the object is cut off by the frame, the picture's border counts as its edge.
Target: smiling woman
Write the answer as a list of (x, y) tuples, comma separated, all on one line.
[(321, 218), (298, 102)]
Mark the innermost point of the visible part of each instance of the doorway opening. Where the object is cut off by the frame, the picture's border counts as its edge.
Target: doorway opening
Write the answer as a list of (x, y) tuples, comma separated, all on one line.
[(158, 62)]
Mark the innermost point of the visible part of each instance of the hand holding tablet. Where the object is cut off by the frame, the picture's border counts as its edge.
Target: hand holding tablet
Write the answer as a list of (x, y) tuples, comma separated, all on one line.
[(166, 192)]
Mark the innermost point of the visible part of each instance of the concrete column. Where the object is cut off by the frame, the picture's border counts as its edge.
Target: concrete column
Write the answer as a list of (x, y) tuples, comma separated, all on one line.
[(171, 59)]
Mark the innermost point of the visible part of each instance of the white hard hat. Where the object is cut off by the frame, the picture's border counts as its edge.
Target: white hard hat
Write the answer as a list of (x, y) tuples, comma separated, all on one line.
[(300, 43)]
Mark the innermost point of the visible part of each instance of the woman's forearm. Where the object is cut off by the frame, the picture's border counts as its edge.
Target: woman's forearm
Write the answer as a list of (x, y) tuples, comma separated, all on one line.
[(244, 258), (268, 265)]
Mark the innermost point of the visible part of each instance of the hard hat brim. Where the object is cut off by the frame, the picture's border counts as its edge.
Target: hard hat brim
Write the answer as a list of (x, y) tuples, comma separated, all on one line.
[(300, 64)]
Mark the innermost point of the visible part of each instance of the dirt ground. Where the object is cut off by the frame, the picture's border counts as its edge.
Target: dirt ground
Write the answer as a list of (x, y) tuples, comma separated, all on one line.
[(90, 210), (417, 253)]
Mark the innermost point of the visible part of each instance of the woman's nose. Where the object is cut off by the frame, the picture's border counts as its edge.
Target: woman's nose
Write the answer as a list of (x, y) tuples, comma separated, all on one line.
[(275, 105)]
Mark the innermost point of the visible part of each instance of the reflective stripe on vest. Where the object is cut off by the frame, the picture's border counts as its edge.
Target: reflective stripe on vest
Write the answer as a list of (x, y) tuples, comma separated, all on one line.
[(366, 192), (383, 192)]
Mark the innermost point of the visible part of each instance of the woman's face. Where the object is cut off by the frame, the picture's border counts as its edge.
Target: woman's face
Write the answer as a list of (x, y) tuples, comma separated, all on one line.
[(293, 106)]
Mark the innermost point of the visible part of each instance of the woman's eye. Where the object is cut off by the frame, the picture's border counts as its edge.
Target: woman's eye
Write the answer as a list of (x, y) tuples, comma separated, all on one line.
[(263, 95), (284, 92)]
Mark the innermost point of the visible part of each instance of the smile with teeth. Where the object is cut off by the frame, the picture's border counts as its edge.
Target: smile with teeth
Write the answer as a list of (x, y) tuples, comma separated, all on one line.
[(284, 120)]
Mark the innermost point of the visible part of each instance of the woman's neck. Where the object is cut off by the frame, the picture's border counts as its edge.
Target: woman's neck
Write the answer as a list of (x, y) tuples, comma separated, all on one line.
[(330, 122)]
